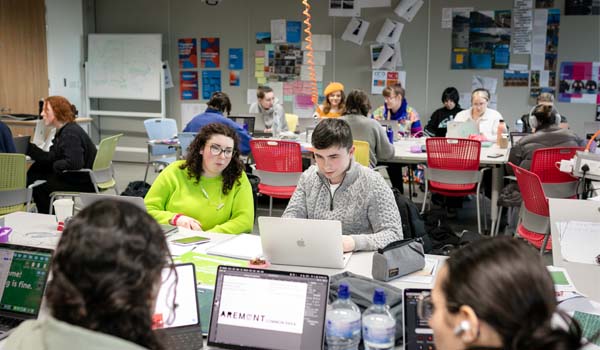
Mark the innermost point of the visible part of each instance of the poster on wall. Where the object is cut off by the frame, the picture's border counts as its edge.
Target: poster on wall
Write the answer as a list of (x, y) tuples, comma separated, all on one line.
[(211, 82), (380, 79), (188, 85), (515, 78), (188, 53), (552, 31), (522, 26), (293, 31), (263, 37), (481, 41), (236, 58), (582, 7), (284, 62), (579, 82), (209, 52), (542, 81), (343, 8), (234, 78)]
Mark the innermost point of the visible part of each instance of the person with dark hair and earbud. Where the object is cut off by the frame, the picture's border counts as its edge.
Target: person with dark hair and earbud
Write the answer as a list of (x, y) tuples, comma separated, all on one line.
[(219, 104), (438, 123), (545, 120), (72, 149), (497, 294), (106, 274), (338, 188)]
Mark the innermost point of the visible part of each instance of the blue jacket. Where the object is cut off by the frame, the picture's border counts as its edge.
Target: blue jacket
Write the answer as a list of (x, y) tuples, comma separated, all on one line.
[(6, 140), (214, 116)]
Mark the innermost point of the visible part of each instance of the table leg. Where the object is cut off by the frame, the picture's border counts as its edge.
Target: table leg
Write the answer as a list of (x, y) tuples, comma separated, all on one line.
[(497, 175)]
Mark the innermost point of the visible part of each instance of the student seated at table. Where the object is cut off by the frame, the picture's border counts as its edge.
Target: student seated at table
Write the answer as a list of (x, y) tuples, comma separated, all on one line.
[(338, 188), (219, 104), (333, 106), (209, 190), (497, 294), (486, 118), (543, 98), (548, 133), (366, 129), (269, 110), (396, 108), (7, 145), (106, 273), (72, 149), (438, 123)]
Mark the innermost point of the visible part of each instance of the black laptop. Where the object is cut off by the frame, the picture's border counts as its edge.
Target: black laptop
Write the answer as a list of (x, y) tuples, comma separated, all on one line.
[(23, 276), (21, 144)]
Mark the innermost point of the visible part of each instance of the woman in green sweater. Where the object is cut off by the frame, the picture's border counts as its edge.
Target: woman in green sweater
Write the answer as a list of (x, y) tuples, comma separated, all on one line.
[(208, 191)]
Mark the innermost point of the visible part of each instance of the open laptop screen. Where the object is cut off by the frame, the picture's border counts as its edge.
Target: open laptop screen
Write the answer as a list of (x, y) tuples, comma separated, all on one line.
[(186, 311), (266, 309), (23, 275)]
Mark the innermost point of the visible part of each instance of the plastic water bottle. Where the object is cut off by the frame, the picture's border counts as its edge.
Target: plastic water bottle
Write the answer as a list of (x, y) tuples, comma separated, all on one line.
[(379, 326), (519, 125), (342, 328)]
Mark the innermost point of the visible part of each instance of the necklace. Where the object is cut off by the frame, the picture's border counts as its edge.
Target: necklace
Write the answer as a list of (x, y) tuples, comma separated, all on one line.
[(218, 205)]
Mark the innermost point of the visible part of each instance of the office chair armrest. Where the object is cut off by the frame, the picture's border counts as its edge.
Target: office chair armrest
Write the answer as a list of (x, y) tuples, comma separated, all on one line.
[(483, 170)]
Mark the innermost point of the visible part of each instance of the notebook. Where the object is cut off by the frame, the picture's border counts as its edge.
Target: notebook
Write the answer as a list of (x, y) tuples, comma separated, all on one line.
[(179, 329), (89, 198), (303, 242), (23, 276), (287, 309), (462, 130), (417, 333)]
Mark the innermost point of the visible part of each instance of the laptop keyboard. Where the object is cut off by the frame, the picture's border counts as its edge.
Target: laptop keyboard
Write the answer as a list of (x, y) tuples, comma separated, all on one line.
[(184, 341), (7, 323)]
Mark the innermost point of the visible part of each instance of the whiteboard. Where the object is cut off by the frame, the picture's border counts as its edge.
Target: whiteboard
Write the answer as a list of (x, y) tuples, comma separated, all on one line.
[(124, 66)]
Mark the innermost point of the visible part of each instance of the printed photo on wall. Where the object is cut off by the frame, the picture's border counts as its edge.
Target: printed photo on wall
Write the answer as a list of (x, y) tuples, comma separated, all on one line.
[(582, 7), (579, 82)]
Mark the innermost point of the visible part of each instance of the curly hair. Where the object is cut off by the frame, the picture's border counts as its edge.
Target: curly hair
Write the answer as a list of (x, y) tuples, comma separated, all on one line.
[(63, 110), (106, 271), (193, 161)]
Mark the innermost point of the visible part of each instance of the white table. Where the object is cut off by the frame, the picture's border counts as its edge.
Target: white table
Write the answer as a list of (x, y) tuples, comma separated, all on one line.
[(402, 154)]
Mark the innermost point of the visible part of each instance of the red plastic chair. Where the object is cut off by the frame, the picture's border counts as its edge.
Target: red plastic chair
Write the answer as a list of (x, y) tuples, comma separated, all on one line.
[(453, 169), (534, 225), (556, 184), (279, 166)]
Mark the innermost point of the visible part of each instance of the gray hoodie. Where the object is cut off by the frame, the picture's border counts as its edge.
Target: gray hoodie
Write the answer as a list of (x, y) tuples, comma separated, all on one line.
[(363, 203), (48, 333), (273, 118)]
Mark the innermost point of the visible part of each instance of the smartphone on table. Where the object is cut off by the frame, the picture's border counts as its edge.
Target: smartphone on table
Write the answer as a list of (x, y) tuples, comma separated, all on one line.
[(190, 240)]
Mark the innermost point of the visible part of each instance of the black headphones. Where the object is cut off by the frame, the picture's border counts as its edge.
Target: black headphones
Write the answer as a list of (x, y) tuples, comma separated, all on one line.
[(533, 122)]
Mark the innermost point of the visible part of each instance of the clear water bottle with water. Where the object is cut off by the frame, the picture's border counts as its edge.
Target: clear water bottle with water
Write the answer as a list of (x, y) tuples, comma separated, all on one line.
[(379, 326), (342, 328), (519, 125)]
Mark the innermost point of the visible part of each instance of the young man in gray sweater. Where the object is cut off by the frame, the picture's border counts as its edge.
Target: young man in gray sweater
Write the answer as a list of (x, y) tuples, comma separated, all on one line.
[(338, 188)]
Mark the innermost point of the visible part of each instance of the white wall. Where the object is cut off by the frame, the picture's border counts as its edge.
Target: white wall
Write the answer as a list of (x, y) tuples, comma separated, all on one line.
[(64, 41)]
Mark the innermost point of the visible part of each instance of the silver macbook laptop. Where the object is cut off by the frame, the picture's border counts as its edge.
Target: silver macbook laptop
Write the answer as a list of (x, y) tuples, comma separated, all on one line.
[(268, 309), (89, 198), (179, 328), (462, 130), (303, 242), (23, 275)]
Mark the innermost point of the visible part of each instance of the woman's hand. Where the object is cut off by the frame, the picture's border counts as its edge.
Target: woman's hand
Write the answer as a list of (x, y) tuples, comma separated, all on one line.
[(188, 222), (348, 243)]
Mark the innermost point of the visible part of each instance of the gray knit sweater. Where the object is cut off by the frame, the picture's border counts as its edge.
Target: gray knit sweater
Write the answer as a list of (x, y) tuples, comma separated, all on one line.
[(363, 203)]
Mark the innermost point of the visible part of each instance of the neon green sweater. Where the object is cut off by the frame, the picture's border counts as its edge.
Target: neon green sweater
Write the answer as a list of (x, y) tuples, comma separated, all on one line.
[(173, 192)]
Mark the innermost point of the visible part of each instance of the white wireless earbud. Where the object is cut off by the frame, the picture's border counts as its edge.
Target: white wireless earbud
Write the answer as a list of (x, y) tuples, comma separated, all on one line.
[(462, 327)]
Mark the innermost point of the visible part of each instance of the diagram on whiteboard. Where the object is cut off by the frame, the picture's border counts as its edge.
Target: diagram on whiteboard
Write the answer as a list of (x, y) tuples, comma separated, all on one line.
[(124, 66)]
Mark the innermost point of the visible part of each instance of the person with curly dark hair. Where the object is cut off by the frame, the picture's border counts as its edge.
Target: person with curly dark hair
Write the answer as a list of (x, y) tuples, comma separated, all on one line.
[(497, 294), (106, 273), (209, 190)]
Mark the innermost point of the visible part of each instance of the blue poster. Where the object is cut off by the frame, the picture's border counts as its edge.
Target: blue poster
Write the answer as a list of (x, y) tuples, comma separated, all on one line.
[(211, 82), (236, 59), (293, 31)]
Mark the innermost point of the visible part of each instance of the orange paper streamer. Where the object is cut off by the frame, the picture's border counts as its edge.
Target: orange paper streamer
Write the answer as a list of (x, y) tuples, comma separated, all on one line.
[(309, 53)]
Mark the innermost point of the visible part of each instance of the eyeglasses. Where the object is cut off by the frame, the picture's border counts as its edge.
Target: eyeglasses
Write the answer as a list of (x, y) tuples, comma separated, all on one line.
[(216, 150), (426, 308)]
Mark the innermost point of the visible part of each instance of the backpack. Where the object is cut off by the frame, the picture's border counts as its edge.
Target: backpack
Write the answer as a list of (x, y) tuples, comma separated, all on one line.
[(136, 189), (442, 237), (413, 225)]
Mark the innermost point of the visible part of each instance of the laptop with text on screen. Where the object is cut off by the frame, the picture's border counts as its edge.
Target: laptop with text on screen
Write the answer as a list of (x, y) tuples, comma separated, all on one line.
[(23, 275), (267, 309), (179, 329), (303, 242)]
